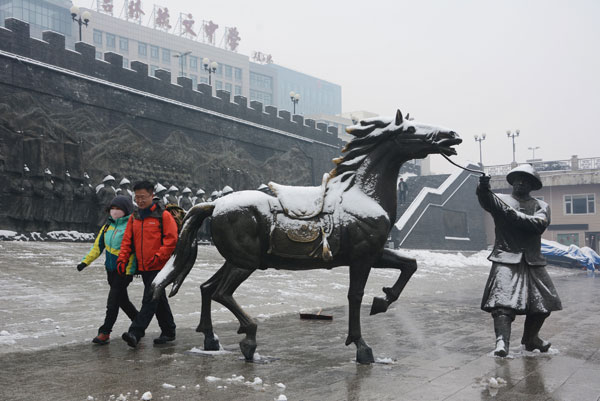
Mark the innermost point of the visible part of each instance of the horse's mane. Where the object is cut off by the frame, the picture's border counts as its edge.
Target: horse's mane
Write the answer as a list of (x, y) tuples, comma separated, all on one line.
[(368, 134)]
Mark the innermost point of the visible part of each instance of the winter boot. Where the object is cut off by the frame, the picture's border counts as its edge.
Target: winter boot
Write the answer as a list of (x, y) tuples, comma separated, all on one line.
[(101, 339), (502, 329), (531, 341), (130, 339), (164, 338)]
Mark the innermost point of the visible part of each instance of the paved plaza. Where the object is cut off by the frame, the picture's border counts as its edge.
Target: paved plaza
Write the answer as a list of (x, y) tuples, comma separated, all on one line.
[(431, 345)]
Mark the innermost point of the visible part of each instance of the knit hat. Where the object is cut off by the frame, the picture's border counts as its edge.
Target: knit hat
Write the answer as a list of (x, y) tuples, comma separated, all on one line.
[(122, 202)]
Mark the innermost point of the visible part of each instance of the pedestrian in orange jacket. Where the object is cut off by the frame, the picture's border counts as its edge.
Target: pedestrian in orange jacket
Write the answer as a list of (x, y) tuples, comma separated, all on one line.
[(151, 234)]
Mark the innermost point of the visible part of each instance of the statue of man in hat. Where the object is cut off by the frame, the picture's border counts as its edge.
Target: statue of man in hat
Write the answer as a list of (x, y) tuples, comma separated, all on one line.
[(105, 195), (186, 202), (518, 283), (172, 198)]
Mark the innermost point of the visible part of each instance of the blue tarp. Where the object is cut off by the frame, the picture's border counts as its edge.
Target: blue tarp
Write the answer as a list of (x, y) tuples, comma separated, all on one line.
[(570, 256)]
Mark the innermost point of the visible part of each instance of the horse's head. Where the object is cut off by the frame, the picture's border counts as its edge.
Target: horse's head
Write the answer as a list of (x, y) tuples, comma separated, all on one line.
[(403, 136), (398, 138), (424, 139)]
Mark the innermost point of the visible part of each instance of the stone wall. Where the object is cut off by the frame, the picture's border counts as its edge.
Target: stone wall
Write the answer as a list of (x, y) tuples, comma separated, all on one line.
[(65, 110)]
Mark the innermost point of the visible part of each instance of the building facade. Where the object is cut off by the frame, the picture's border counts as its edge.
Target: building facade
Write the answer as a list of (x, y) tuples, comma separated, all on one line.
[(269, 84), (571, 188), (42, 15), (181, 55)]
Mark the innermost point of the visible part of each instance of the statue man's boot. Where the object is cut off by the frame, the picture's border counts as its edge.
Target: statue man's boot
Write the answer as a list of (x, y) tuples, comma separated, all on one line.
[(502, 324), (531, 341)]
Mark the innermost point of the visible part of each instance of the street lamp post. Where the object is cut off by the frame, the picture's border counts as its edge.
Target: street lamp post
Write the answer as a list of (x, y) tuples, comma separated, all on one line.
[(513, 135), (82, 19), (182, 57), (480, 139), (295, 98), (210, 66), (533, 149)]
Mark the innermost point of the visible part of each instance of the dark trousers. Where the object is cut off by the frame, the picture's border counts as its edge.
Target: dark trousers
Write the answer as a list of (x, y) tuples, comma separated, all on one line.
[(159, 307), (402, 196), (117, 298)]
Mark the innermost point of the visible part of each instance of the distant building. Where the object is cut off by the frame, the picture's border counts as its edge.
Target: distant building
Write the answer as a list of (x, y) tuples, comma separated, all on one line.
[(42, 15), (571, 188), (267, 83), (160, 48), (317, 96)]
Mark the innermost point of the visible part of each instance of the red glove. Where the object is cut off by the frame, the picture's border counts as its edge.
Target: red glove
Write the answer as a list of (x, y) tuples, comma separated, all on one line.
[(121, 267)]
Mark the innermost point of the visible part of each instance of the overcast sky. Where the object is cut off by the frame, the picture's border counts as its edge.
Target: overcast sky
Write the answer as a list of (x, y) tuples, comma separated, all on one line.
[(475, 66)]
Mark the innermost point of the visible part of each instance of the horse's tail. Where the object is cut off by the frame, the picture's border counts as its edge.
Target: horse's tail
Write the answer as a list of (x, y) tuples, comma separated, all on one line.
[(182, 261)]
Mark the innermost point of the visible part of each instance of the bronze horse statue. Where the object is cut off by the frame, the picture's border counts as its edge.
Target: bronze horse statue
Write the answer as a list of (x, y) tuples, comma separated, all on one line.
[(345, 222)]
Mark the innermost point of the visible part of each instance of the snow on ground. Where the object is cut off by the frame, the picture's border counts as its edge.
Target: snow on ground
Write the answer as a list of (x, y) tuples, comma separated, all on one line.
[(62, 235), (46, 302)]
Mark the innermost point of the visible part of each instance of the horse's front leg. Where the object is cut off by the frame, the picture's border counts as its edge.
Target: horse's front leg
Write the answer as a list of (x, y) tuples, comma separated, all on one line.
[(391, 259), (359, 273)]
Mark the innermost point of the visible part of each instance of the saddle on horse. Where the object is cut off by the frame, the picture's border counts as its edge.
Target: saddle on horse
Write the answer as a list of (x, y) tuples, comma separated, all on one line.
[(301, 221)]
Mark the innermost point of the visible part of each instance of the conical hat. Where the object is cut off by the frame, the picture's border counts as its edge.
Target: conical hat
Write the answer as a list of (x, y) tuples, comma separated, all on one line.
[(186, 190), (124, 181), (108, 178), (528, 170)]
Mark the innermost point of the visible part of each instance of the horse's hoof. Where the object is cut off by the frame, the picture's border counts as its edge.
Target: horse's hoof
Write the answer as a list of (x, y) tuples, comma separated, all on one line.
[(379, 305), (248, 347), (364, 355), (211, 344)]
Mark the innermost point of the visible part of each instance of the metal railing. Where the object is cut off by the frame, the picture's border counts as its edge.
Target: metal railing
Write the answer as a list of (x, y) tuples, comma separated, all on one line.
[(591, 163)]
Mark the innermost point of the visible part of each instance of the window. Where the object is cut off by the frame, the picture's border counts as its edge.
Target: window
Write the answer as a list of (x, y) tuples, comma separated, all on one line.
[(99, 55), (228, 87), (110, 40), (194, 63), (97, 37), (228, 71), (580, 204), (568, 239), (218, 85), (219, 71), (194, 79), (154, 52), (238, 90), (263, 97), (238, 74), (153, 69), (123, 44), (142, 49), (166, 56), (203, 80), (259, 81), (125, 63)]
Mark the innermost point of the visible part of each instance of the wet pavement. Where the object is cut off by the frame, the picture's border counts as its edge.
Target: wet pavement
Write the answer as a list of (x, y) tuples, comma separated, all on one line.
[(433, 344)]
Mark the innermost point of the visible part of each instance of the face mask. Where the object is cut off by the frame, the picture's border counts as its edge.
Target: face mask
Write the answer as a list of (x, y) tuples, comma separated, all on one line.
[(116, 213)]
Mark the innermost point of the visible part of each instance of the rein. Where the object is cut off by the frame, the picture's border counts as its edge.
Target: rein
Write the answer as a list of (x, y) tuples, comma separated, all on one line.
[(483, 174), (464, 168)]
